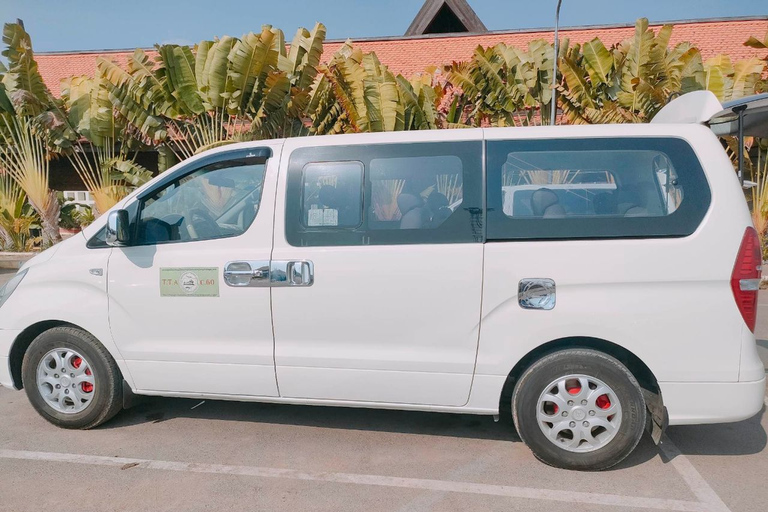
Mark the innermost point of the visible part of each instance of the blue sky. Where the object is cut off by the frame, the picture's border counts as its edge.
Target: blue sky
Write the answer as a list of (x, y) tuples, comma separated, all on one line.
[(98, 24)]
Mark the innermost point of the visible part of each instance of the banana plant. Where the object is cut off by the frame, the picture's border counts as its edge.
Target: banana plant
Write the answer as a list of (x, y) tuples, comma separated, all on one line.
[(30, 119), (104, 154), (355, 92), (731, 81), (17, 218), (630, 82), (223, 91), (502, 86)]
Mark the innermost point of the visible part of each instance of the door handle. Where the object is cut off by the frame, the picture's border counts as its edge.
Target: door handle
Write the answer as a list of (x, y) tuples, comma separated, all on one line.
[(247, 273), (292, 273), (263, 274)]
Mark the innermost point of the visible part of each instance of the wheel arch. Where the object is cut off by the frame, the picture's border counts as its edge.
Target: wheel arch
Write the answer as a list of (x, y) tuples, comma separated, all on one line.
[(24, 340), (644, 375)]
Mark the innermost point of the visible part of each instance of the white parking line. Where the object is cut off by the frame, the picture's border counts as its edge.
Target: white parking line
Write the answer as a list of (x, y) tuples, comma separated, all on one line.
[(699, 487), (611, 500)]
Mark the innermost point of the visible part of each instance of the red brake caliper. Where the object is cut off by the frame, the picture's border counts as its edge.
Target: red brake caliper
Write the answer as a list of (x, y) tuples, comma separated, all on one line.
[(87, 387), (573, 389), (603, 402)]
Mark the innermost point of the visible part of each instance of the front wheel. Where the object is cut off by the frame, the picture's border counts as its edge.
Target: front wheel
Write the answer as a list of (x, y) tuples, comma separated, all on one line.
[(71, 379), (579, 409)]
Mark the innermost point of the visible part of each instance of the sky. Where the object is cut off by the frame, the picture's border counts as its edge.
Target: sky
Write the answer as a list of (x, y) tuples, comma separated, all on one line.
[(57, 25)]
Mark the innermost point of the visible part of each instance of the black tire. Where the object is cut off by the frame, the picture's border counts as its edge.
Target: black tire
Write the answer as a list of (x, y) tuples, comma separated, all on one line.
[(585, 362), (108, 391)]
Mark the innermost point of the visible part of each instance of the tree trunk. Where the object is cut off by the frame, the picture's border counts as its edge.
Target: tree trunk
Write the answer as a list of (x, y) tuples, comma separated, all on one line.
[(49, 219)]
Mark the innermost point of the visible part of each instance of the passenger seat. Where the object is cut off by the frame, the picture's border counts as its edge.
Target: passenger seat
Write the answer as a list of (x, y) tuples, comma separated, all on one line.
[(545, 203), (415, 214), (438, 208)]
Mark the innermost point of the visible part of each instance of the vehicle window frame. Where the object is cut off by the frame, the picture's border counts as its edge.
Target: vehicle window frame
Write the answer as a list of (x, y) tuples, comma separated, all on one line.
[(465, 225), (262, 155), (684, 221)]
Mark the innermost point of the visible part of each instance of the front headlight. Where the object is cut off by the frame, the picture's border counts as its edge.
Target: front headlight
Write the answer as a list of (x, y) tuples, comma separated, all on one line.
[(7, 289)]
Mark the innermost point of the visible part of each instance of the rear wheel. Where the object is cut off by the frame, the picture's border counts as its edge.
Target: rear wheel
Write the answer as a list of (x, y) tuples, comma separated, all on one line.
[(71, 379), (579, 409)]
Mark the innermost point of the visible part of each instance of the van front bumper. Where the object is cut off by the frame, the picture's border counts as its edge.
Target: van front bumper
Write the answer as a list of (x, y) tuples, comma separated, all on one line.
[(5, 374), (692, 403), (7, 337)]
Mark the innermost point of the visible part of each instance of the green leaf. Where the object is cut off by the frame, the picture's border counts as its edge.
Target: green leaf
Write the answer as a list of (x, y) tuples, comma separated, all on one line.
[(214, 78), (130, 172), (22, 73), (179, 73), (599, 61), (250, 62)]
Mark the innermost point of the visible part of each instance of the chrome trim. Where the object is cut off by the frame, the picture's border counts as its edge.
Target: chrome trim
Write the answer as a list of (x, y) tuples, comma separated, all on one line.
[(749, 285), (262, 273), (292, 273), (116, 233), (247, 273), (536, 294)]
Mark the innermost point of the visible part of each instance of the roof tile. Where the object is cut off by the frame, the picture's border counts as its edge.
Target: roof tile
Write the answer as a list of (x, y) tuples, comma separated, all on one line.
[(413, 55)]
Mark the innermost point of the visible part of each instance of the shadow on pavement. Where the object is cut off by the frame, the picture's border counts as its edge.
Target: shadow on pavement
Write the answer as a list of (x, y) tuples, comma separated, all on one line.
[(742, 438), (156, 410)]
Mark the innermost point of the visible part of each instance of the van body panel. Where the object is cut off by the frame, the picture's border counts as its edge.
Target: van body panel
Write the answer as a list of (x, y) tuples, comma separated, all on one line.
[(694, 403), (666, 300), (64, 289), (196, 341), (410, 313)]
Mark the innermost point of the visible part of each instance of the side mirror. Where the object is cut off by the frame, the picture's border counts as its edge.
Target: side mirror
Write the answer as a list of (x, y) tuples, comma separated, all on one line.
[(117, 228)]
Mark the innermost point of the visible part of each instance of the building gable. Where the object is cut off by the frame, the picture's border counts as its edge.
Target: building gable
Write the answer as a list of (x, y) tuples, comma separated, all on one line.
[(445, 17)]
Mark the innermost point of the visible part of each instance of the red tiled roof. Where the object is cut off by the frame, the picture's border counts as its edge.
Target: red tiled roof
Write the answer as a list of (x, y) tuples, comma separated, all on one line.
[(413, 54)]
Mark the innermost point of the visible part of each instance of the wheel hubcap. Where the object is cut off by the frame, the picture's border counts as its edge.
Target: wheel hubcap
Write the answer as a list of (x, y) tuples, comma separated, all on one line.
[(65, 380), (579, 413)]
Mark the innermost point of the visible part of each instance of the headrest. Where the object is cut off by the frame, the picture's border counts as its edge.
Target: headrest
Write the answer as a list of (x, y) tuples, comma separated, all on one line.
[(541, 200), (436, 200), (407, 202)]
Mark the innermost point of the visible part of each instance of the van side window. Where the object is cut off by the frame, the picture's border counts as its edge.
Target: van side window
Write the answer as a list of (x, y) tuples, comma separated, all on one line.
[(219, 200), (594, 188), (333, 194), (385, 194), (414, 193)]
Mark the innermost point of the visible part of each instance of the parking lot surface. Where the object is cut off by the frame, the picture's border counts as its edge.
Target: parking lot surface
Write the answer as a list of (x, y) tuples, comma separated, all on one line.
[(174, 454)]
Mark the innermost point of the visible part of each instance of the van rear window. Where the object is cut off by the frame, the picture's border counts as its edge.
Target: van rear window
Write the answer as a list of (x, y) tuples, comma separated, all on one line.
[(594, 188)]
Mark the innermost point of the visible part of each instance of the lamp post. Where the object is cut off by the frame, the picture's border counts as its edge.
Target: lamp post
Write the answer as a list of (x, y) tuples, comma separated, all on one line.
[(553, 107)]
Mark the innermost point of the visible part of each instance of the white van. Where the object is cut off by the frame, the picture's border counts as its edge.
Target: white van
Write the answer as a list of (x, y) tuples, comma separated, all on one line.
[(595, 282)]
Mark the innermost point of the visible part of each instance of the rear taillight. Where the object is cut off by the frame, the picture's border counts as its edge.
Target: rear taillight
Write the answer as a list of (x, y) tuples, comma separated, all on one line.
[(745, 279)]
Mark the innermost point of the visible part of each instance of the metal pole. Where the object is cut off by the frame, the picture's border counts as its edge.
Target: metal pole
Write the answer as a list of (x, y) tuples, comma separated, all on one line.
[(553, 105), (740, 110)]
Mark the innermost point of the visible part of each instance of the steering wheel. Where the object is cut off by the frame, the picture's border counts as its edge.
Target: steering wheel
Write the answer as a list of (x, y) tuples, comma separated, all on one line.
[(201, 225)]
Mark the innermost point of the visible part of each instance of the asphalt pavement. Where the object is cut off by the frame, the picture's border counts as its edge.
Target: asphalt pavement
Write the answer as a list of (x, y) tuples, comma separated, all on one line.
[(190, 455)]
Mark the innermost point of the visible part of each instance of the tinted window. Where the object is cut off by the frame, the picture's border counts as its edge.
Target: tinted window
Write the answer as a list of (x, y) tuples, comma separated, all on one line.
[(594, 188), (385, 194), (418, 192), (217, 201), (333, 194)]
